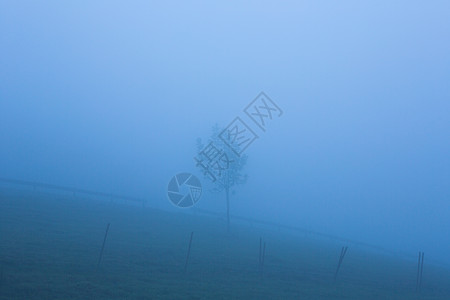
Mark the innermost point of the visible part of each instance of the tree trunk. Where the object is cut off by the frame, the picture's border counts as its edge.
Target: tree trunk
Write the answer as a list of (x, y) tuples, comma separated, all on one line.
[(227, 191)]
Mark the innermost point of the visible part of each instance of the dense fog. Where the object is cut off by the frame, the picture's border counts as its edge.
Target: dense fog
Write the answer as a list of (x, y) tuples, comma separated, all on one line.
[(112, 96)]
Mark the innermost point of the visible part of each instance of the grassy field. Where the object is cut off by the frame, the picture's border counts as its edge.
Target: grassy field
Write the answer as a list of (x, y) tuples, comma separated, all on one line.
[(50, 244)]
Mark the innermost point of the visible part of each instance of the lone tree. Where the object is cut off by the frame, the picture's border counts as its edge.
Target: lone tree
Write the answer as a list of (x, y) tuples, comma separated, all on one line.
[(226, 172)]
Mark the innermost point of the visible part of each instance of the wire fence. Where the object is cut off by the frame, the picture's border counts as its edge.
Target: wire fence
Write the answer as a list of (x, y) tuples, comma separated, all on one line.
[(252, 221), (356, 271)]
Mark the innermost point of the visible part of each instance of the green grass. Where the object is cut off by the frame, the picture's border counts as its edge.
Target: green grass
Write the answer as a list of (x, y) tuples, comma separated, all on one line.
[(49, 247)]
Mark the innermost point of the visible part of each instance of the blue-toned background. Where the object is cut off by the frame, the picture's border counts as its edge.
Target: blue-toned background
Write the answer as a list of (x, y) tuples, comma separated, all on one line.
[(111, 96)]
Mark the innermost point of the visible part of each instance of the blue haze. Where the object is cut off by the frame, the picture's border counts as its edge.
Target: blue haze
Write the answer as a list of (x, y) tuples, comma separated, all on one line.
[(111, 96)]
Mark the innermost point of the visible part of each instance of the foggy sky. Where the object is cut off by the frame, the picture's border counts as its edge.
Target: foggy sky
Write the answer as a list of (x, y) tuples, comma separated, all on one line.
[(111, 96)]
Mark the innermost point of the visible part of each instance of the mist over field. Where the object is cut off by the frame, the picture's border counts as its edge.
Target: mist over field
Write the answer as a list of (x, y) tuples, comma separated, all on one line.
[(112, 96)]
